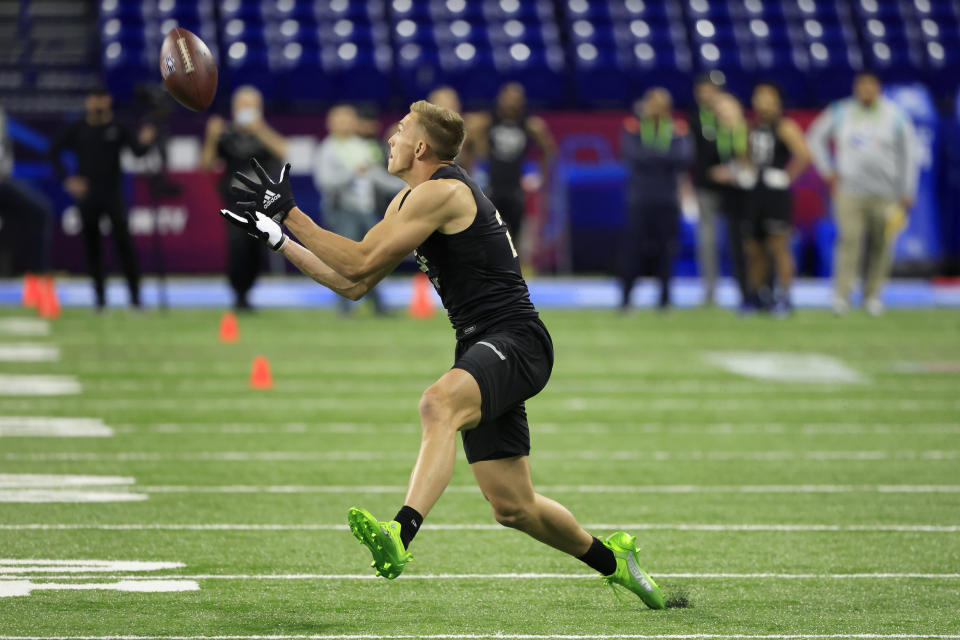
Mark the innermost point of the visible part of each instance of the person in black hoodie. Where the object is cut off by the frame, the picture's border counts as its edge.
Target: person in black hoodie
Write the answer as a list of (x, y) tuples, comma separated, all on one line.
[(97, 185), (656, 151)]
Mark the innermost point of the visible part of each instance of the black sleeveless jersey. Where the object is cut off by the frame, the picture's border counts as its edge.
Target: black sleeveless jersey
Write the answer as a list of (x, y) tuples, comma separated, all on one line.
[(476, 271), (509, 142), (767, 148)]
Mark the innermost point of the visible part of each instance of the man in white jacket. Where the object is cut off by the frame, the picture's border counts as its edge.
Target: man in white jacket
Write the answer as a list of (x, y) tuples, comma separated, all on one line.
[(872, 174)]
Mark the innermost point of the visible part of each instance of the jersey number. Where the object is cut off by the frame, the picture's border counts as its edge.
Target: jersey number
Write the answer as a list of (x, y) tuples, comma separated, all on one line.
[(509, 239)]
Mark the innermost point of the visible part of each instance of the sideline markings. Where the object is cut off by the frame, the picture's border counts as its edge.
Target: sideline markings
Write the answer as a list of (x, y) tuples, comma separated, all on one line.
[(38, 385), (529, 576), (21, 588), (854, 528), (46, 488), (40, 427), (20, 566), (28, 352), (647, 456), (24, 327)]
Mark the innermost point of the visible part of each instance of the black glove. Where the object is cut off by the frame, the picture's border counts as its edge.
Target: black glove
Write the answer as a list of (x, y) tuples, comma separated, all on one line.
[(257, 225), (273, 199)]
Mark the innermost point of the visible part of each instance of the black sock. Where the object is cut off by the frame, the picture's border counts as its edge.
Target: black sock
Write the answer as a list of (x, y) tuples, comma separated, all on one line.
[(600, 558), (410, 521)]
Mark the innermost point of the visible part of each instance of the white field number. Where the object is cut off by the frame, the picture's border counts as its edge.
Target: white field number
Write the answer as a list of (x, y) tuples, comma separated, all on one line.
[(509, 239)]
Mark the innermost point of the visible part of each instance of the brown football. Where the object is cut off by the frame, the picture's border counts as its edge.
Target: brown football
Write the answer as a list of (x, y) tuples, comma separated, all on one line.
[(188, 70)]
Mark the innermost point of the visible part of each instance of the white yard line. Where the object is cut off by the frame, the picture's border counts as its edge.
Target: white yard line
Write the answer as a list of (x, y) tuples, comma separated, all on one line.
[(588, 489), (39, 427), (553, 427), (522, 636), (24, 327), (37, 385), (510, 576), (245, 402), (634, 526), (28, 352), (646, 456)]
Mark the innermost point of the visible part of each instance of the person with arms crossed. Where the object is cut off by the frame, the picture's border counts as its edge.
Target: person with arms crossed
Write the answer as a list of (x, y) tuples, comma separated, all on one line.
[(873, 179), (504, 354)]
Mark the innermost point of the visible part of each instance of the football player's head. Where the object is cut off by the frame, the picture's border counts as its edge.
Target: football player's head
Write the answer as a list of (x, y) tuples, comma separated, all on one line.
[(429, 133)]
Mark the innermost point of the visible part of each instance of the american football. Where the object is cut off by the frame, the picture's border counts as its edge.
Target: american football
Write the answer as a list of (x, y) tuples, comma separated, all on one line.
[(188, 70)]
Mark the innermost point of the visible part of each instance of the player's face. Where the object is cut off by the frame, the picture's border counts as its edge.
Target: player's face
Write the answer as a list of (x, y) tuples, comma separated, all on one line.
[(403, 145), (766, 103), (866, 89)]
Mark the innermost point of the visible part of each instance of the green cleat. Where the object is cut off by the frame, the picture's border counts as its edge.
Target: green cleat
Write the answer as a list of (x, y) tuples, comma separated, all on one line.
[(383, 540), (629, 574)]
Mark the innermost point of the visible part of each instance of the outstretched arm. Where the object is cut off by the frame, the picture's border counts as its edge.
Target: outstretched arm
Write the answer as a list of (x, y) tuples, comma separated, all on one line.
[(428, 207), (315, 268)]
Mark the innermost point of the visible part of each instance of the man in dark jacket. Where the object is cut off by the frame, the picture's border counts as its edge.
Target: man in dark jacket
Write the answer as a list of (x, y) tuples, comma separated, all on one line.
[(97, 185), (656, 151)]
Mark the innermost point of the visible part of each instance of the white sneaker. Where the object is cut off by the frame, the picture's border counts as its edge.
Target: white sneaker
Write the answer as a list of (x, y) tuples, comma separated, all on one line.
[(874, 307), (840, 306)]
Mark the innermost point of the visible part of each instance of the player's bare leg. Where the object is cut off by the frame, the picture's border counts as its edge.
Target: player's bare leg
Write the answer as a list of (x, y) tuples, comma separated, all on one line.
[(450, 404), (507, 486)]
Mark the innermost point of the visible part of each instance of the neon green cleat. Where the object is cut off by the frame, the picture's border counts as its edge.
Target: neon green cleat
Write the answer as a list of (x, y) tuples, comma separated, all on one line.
[(383, 540), (629, 574)]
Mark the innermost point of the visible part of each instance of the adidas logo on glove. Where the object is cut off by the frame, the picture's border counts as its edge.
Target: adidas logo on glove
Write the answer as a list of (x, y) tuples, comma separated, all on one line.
[(269, 198)]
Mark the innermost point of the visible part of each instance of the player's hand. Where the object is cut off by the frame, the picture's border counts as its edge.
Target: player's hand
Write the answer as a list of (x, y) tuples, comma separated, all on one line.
[(76, 186), (273, 198), (257, 225)]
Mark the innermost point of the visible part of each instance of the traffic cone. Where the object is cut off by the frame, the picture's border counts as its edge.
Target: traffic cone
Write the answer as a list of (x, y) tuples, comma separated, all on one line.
[(421, 301), (48, 304), (229, 331), (260, 377), (31, 291)]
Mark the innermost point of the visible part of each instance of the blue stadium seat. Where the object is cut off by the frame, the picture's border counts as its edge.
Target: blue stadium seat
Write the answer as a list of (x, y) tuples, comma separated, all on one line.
[(336, 9), (520, 9), (629, 9), (709, 9), (448, 10), (418, 10), (456, 31), (242, 9), (120, 9)]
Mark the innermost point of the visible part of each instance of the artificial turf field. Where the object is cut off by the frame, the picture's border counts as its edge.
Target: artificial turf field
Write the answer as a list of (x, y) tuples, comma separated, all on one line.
[(783, 509)]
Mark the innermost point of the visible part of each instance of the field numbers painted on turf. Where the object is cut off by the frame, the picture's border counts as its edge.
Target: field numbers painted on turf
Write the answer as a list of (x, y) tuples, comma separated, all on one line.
[(17, 576), (785, 367), (509, 237)]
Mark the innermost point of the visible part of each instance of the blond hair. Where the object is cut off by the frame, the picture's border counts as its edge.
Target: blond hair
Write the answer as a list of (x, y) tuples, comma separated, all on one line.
[(445, 129)]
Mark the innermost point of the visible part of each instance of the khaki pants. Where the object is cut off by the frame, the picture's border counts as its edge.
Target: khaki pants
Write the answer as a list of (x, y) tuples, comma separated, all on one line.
[(856, 217)]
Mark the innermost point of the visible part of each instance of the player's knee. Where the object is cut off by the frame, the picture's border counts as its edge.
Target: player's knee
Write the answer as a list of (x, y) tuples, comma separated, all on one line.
[(435, 408), (510, 513)]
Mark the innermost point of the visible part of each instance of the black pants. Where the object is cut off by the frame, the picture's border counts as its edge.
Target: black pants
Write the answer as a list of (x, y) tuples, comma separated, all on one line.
[(112, 206), (649, 247), (735, 210), (244, 261), (27, 224)]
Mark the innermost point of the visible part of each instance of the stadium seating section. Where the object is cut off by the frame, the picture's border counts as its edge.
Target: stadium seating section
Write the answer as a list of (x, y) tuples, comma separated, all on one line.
[(568, 53)]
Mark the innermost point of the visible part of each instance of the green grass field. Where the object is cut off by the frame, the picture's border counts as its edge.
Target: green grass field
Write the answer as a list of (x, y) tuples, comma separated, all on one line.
[(783, 508)]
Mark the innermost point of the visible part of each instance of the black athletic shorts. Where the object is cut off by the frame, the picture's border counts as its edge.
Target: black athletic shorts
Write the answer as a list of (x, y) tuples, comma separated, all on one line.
[(769, 212), (510, 362)]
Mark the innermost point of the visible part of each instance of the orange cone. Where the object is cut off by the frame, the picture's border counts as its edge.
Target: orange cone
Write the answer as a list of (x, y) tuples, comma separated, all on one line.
[(48, 304), (421, 302), (31, 291), (260, 377), (229, 330)]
